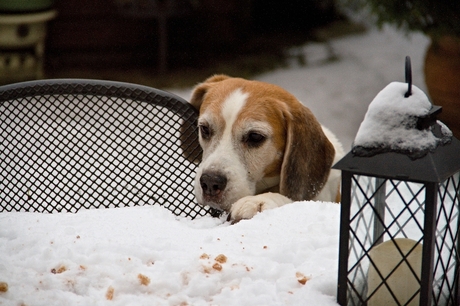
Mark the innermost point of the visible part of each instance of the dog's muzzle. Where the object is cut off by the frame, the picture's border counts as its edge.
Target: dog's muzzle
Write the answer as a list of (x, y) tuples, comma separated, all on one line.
[(212, 185)]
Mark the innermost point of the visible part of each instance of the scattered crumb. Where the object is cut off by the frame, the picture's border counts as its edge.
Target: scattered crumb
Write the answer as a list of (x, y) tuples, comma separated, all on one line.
[(82, 267), (217, 266), (301, 278), (109, 293), (3, 287), (144, 280), (265, 247), (78, 237), (185, 277), (204, 256), (60, 270), (206, 270), (221, 258)]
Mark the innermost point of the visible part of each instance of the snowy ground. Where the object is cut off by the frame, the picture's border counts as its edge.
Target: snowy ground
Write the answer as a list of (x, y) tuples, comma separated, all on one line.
[(147, 256)]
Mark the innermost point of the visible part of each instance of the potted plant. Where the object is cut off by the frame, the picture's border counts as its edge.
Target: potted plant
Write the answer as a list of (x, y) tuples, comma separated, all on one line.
[(440, 20), (21, 6), (22, 38)]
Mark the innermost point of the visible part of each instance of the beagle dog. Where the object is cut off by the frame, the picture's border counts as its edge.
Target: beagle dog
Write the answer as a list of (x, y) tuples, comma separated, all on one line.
[(261, 148)]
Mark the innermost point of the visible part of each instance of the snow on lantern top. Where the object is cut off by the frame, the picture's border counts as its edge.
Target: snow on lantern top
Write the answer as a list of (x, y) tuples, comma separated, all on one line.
[(401, 138), (397, 122)]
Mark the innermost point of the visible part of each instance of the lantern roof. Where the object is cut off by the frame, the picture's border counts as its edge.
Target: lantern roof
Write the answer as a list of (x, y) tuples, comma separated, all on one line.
[(434, 167)]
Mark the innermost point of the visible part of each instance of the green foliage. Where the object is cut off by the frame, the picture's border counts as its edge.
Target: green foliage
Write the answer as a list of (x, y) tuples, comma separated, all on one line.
[(432, 17)]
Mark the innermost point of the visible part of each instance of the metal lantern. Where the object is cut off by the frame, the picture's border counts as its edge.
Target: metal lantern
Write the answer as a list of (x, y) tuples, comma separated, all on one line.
[(399, 232)]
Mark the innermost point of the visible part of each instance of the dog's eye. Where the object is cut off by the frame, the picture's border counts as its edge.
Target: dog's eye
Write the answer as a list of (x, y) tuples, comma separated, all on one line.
[(205, 131), (254, 139)]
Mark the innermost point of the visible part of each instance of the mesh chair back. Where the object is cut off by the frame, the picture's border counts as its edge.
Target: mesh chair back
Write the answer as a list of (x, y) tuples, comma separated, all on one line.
[(72, 144)]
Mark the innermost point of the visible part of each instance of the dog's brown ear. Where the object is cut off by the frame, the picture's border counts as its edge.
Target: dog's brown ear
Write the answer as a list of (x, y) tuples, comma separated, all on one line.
[(188, 131), (307, 158), (201, 89), (189, 143)]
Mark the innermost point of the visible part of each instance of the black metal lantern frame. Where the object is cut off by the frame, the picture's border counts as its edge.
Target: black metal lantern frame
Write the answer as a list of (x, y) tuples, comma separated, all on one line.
[(378, 209), (399, 232)]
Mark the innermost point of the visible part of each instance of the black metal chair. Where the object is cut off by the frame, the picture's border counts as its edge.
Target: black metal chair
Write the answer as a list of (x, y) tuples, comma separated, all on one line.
[(71, 144)]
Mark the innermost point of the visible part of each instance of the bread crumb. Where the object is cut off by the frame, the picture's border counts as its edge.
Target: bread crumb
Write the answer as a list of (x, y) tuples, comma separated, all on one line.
[(217, 266), (109, 293), (204, 256), (144, 280), (3, 287), (206, 270), (59, 270), (301, 278), (221, 258)]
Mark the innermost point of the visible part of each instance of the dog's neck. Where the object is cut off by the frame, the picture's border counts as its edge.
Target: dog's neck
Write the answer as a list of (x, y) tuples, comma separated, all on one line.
[(268, 184)]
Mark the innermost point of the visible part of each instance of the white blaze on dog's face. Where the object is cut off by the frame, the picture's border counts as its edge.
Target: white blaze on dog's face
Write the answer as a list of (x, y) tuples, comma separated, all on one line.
[(243, 140)]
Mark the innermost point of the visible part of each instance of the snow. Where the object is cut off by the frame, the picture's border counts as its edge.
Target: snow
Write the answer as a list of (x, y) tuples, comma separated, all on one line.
[(147, 256), (391, 120), (73, 259)]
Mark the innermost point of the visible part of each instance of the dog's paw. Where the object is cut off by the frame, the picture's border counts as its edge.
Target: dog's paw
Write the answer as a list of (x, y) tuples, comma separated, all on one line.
[(248, 207)]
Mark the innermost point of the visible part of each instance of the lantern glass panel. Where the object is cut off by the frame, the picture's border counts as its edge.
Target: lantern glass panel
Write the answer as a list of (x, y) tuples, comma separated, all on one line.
[(387, 209), (445, 268)]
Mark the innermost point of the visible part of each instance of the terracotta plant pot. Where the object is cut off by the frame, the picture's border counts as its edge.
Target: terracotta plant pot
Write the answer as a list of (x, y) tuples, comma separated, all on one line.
[(442, 77)]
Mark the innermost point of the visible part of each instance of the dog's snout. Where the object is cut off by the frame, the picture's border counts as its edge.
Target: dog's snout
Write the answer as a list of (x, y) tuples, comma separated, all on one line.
[(213, 184)]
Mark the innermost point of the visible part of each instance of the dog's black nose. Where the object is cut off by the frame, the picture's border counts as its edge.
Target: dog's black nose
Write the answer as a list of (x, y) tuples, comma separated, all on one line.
[(213, 184)]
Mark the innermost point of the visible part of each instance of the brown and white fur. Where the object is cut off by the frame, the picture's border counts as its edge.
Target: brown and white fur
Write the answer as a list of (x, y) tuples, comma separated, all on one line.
[(261, 148)]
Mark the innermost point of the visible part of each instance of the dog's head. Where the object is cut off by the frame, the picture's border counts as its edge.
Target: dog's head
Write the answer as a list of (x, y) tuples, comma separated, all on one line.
[(256, 137)]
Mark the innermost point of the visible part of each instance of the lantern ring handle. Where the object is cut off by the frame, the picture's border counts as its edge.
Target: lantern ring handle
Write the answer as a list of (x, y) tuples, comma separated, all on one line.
[(408, 77)]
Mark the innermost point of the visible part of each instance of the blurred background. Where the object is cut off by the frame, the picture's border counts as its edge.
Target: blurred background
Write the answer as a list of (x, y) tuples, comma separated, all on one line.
[(333, 55), (163, 42)]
